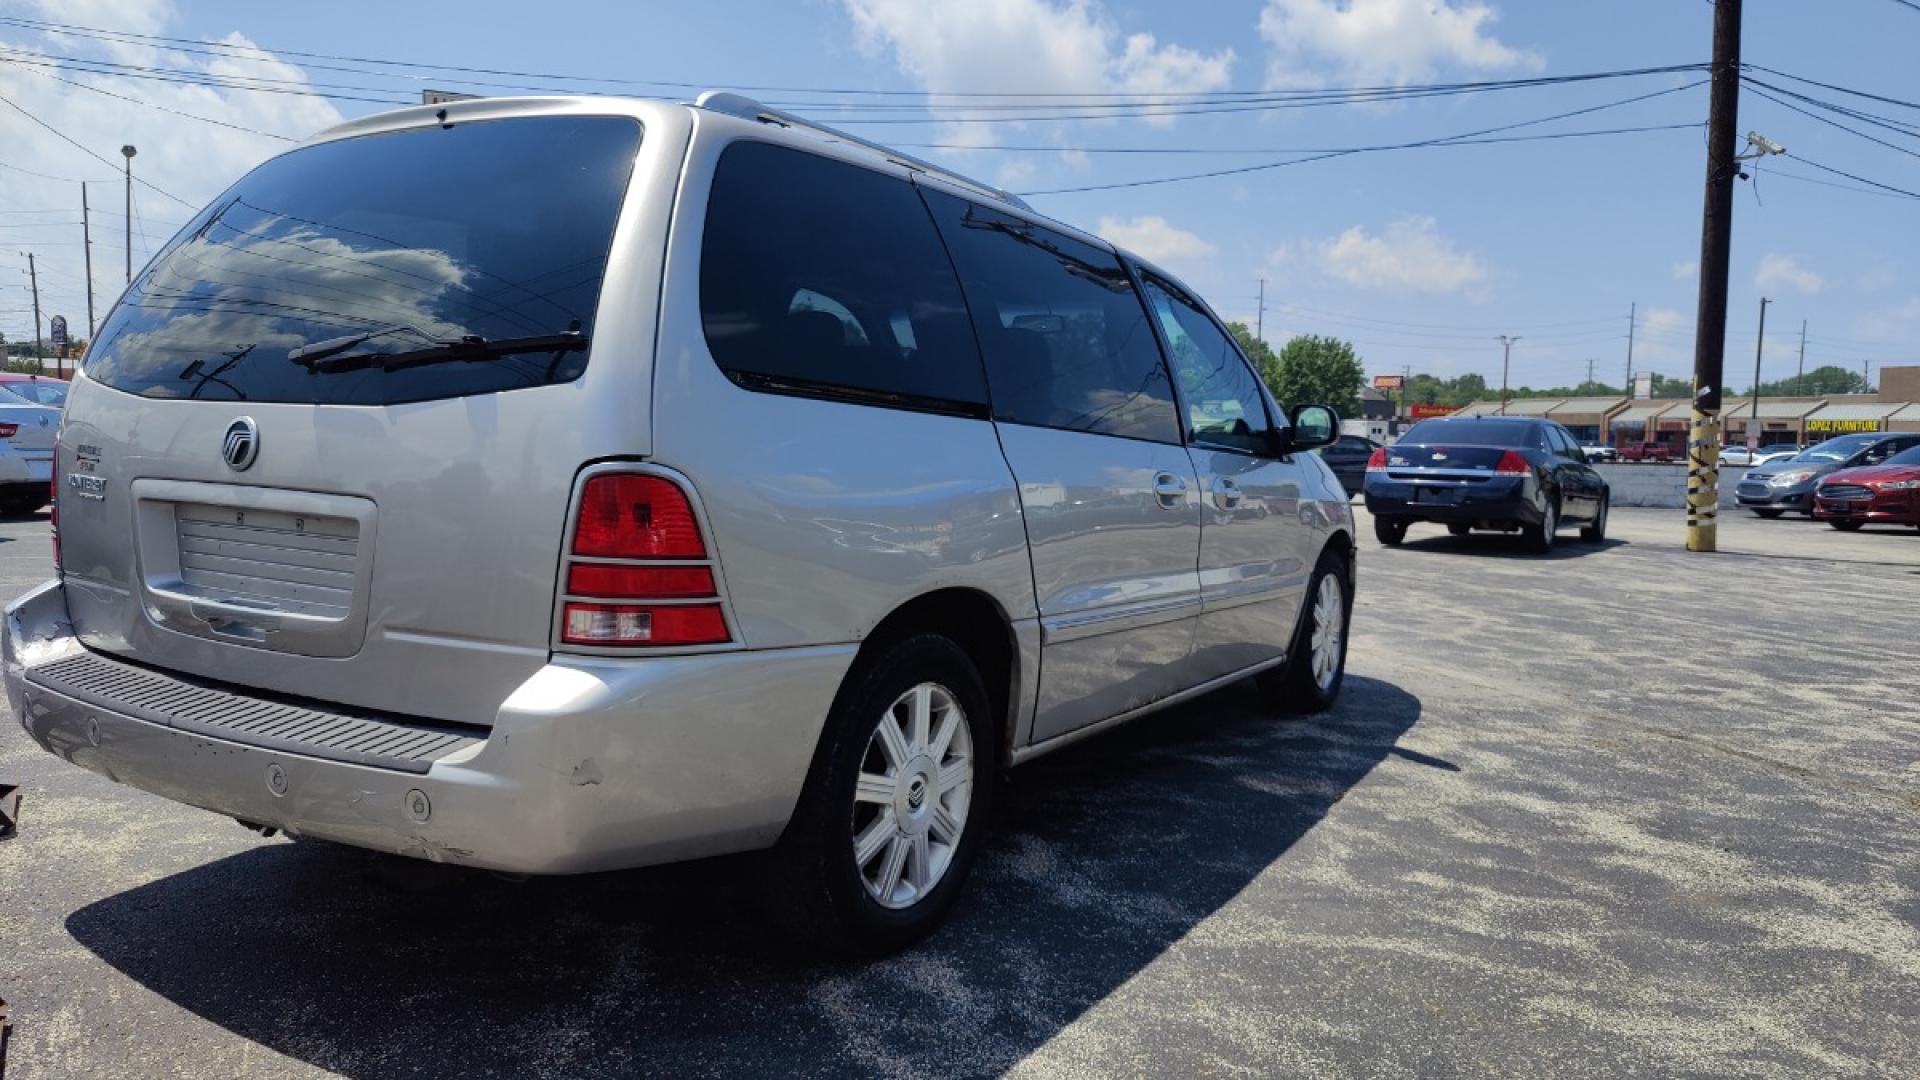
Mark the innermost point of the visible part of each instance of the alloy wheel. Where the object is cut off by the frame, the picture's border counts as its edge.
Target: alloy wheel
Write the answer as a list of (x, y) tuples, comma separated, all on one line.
[(911, 797)]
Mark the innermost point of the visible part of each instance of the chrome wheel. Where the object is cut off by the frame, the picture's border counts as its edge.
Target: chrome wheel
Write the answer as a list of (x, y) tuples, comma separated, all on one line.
[(1329, 631), (911, 798)]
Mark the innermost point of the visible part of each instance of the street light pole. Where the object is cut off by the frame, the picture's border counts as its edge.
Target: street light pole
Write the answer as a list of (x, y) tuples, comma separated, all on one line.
[(34, 278), (1506, 358), (1753, 424), (128, 152), (86, 248)]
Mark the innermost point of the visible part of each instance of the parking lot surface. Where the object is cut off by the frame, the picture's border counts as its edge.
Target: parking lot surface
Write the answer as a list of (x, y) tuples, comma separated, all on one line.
[(1617, 810)]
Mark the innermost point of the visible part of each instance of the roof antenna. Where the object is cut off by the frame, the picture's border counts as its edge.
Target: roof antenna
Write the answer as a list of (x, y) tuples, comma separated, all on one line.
[(442, 117)]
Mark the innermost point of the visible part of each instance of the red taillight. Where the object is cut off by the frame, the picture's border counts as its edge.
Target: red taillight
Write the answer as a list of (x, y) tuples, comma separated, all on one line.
[(1377, 462), (1512, 464), (630, 516), (644, 526), (8, 431), (626, 582), (635, 624)]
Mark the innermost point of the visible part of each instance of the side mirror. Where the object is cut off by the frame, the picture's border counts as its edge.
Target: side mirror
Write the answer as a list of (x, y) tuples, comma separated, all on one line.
[(1311, 427)]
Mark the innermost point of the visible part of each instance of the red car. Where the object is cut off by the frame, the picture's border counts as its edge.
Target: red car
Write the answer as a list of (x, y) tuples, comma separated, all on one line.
[(1887, 493)]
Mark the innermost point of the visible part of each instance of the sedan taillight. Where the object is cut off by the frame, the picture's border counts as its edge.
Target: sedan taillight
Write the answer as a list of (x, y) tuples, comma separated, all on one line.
[(1377, 461), (1512, 464)]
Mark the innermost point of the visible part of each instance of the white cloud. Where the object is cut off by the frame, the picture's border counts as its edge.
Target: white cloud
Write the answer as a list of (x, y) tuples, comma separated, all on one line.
[(1782, 272), (1391, 42), (1152, 238), (1411, 254), (190, 158), (1037, 46), (1685, 271)]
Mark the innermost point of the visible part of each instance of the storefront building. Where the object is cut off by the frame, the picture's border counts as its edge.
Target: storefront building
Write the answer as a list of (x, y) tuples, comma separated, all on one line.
[(1585, 417)]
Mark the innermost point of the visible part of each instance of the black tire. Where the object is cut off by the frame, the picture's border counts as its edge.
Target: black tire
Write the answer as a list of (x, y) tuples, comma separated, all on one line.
[(1540, 537), (815, 886), (1460, 530), (1846, 526), (1296, 687), (1389, 531), (1593, 532), (1769, 513)]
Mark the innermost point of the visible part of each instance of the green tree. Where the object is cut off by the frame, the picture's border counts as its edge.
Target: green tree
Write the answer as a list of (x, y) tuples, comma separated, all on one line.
[(1261, 353), (1313, 370), (1823, 381)]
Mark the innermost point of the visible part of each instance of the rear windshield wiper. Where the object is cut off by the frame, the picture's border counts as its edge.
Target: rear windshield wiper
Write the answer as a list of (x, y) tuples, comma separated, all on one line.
[(309, 354), (470, 348)]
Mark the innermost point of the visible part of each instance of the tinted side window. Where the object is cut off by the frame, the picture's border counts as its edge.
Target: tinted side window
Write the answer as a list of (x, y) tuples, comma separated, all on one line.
[(820, 276), (1224, 404), (1065, 338)]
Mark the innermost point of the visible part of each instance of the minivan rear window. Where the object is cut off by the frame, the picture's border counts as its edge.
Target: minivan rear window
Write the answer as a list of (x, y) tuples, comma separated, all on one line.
[(469, 256)]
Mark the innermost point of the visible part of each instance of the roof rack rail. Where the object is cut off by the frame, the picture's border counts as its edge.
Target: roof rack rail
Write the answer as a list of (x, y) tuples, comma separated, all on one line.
[(722, 101)]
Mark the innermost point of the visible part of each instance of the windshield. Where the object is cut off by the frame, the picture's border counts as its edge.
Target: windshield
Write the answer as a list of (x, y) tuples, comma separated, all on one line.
[(1839, 449), (497, 230), (50, 392), (1909, 456), (1474, 433)]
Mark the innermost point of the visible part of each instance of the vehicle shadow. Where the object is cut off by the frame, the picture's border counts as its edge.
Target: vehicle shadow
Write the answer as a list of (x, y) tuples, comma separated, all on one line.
[(1494, 545), (1103, 856)]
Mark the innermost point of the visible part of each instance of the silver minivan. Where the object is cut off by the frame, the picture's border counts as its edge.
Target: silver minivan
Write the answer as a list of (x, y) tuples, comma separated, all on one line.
[(559, 485)]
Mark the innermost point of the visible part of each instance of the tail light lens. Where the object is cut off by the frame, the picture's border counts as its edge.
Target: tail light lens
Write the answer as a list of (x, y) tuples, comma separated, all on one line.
[(650, 582), (1512, 464), (632, 516), (1377, 462), (8, 431)]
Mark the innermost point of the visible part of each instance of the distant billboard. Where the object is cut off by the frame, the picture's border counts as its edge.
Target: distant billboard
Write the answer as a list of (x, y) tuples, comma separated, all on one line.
[(1428, 412), (1388, 382), (1642, 385), (59, 332)]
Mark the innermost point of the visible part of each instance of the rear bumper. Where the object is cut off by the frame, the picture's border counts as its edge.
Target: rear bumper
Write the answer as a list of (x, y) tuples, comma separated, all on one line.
[(589, 765), (1503, 499), (21, 467)]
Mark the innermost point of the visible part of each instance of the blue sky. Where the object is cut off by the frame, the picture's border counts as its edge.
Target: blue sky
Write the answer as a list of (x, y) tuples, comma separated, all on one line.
[(1420, 257)]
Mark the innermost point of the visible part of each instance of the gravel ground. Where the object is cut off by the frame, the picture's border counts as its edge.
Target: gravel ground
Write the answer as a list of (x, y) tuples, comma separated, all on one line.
[(1539, 836)]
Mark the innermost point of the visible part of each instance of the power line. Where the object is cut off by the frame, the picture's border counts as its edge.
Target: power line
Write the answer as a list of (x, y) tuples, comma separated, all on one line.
[(146, 104), (17, 107), (1470, 138), (253, 54), (1861, 179)]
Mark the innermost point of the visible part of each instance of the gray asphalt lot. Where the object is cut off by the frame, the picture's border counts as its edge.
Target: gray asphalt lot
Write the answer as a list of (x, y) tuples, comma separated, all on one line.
[(1619, 810)]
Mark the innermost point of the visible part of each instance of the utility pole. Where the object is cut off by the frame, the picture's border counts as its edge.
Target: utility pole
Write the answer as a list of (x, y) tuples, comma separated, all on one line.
[(86, 247), (1260, 315), (1759, 347), (1633, 310), (1590, 362), (128, 152), (1506, 358), (1716, 240), (1800, 376), (1406, 392), (35, 279)]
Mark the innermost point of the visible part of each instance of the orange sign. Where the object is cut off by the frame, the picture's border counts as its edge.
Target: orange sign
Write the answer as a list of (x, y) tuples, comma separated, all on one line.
[(1428, 412), (1388, 382)]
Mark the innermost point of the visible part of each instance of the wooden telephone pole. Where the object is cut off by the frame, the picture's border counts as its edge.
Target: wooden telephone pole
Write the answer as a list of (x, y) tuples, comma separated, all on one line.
[(1716, 239)]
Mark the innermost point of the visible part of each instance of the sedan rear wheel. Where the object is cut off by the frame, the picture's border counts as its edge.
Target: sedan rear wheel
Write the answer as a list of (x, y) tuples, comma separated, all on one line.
[(1845, 526), (1540, 537), (1596, 530), (1460, 530), (1769, 513), (1389, 531)]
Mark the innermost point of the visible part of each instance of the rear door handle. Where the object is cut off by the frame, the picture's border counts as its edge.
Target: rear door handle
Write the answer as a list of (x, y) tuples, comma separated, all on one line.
[(1226, 493), (1170, 490)]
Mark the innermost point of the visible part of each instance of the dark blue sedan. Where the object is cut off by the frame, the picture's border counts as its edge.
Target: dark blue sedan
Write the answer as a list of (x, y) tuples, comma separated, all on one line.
[(1499, 473)]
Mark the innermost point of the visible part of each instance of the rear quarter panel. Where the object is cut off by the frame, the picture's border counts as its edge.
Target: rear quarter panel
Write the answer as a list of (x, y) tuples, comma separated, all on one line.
[(827, 516)]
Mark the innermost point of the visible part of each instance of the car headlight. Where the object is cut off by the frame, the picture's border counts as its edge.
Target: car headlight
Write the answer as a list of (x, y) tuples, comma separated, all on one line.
[(1898, 485), (1788, 479)]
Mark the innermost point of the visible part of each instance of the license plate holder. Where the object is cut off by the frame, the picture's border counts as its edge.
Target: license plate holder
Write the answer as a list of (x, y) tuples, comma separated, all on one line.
[(1437, 496)]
